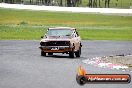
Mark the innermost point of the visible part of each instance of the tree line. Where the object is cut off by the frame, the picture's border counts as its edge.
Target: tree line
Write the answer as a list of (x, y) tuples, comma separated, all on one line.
[(69, 3), (95, 3)]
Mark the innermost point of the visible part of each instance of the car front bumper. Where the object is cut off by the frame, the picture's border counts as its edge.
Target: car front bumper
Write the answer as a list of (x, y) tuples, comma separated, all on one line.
[(56, 49)]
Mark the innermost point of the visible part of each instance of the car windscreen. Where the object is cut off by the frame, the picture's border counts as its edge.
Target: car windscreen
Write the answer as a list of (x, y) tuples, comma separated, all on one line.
[(59, 32)]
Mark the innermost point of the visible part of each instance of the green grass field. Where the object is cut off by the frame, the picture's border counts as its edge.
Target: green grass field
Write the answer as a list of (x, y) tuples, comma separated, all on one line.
[(25, 24)]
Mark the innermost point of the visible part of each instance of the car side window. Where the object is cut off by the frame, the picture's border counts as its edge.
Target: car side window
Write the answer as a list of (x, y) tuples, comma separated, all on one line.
[(76, 33)]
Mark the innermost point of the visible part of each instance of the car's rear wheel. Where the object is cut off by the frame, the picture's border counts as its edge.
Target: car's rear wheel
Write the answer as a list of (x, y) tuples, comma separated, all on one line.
[(50, 53), (43, 53), (78, 53)]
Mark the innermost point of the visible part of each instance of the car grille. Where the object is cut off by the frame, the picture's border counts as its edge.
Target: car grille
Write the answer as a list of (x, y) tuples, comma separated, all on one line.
[(55, 43)]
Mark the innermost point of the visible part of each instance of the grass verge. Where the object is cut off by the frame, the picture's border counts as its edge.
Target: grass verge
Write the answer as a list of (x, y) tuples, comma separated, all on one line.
[(27, 25)]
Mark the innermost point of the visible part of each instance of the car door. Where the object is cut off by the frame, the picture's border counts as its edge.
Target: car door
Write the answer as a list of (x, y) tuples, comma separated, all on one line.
[(76, 40)]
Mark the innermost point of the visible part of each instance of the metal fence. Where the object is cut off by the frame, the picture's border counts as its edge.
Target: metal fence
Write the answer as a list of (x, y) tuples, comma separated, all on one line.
[(76, 3)]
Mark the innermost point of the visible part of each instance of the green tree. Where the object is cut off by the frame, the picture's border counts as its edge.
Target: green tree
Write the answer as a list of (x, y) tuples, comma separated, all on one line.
[(107, 3), (90, 3)]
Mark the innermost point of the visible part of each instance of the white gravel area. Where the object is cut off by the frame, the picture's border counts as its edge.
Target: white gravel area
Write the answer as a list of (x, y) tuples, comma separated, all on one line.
[(112, 62), (124, 60)]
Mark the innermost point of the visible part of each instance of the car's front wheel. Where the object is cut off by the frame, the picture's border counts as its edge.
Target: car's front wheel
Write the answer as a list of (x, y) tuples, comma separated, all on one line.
[(43, 53), (78, 53), (71, 54)]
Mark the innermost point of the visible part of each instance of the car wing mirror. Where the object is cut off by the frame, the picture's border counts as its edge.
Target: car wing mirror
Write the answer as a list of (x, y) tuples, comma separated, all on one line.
[(42, 36)]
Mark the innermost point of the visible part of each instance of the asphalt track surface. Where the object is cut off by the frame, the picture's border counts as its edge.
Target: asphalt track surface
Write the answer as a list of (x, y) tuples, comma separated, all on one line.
[(21, 65)]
